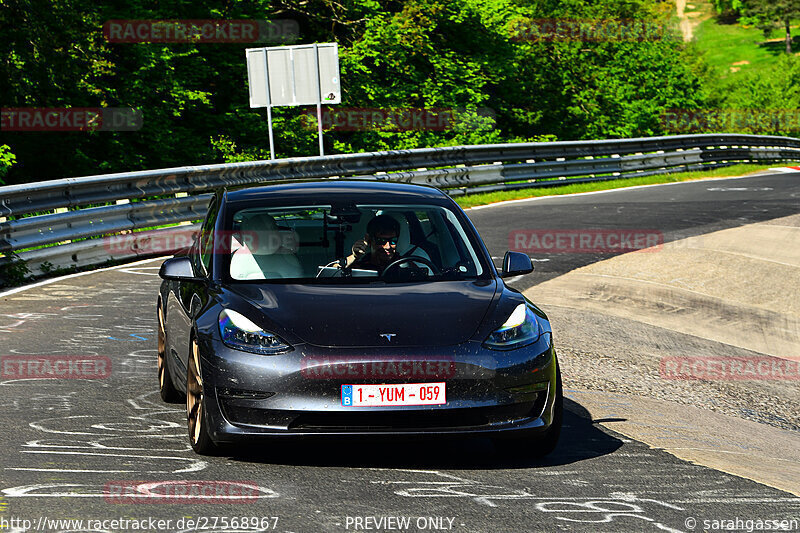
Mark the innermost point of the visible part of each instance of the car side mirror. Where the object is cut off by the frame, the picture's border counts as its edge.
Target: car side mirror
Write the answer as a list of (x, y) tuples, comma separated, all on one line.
[(178, 269), (516, 264)]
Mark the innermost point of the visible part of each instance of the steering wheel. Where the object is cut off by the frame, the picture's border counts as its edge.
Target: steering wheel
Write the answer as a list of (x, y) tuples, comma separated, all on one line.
[(409, 259)]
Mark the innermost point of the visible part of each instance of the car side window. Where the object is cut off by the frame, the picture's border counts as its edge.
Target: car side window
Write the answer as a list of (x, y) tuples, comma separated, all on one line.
[(206, 244)]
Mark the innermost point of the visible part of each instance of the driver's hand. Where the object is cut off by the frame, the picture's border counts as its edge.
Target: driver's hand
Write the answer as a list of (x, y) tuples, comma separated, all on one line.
[(360, 249)]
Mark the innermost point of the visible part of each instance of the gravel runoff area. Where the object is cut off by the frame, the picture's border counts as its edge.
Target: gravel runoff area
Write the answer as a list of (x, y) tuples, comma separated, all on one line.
[(623, 360), (731, 294)]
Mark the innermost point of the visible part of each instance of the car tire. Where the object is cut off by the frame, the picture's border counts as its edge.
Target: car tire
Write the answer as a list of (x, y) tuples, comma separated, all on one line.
[(199, 437), (537, 445), (165, 384)]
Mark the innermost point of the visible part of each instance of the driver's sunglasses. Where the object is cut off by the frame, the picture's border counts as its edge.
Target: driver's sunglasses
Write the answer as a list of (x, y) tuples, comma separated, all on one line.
[(380, 241)]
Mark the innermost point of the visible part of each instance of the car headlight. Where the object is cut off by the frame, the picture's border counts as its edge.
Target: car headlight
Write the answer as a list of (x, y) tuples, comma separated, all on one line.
[(240, 333), (521, 328)]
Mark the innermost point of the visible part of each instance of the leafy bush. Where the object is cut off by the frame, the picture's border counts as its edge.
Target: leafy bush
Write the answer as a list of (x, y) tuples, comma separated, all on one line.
[(6, 160), (13, 271), (770, 97)]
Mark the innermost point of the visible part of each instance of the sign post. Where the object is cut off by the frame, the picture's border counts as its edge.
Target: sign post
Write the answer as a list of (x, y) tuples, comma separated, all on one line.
[(303, 74)]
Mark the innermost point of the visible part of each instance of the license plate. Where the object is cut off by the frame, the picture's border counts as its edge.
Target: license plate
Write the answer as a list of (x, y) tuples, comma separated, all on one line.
[(400, 394)]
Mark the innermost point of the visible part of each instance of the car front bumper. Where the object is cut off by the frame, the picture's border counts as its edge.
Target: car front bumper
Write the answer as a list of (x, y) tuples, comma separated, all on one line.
[(247, 396)]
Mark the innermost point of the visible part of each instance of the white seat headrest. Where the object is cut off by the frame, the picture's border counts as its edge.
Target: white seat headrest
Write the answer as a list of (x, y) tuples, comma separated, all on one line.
[(260, 234)]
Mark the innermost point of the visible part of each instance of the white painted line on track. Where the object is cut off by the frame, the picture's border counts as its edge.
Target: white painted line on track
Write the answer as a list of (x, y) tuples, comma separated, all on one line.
[(139, 271), (620, 189), (739, 189), (76, 471)]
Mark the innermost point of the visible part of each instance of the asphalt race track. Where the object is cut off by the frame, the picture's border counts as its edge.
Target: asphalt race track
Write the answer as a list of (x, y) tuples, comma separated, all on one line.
[(678, 210), (103, 449)]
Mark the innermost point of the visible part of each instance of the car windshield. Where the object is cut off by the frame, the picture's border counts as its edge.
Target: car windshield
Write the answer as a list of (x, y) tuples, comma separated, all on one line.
[(420, 243)]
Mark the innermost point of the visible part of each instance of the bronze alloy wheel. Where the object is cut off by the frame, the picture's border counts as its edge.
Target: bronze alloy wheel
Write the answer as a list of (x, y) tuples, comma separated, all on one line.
[(195, 410), (162, 346), (167, 389)]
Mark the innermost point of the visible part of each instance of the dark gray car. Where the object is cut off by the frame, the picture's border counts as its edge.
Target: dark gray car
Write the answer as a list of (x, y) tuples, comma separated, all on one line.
[(267, 333)]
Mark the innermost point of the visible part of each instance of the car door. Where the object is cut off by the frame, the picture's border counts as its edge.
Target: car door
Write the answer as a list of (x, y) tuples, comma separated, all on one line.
[(188, 297)]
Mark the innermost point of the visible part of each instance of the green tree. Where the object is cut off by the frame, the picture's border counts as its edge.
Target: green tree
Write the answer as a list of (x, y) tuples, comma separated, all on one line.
[(774, 14), (728, 6)]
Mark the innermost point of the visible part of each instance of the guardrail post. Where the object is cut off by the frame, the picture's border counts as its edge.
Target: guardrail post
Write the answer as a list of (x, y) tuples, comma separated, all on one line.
[(183, 195), (62, 210)]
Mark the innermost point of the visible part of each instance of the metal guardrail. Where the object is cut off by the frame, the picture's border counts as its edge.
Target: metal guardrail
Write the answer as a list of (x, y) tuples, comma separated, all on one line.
[(459, 170)]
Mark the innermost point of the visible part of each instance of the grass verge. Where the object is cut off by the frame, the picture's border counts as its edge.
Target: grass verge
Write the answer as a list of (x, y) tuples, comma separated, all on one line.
[(732, 47), (501, 196)]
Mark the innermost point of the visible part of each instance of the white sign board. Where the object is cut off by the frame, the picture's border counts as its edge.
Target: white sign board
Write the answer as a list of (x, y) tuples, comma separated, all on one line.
[(305, 74)]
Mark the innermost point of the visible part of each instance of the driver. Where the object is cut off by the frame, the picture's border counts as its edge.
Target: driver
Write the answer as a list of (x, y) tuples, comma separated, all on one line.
[(378, 248)]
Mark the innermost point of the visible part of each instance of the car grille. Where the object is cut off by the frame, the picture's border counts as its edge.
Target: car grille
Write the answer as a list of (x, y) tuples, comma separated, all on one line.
[(435, 418), (418, 419)]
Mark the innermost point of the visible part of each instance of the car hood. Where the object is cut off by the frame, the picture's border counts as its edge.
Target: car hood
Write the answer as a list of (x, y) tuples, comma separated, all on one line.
[(421, 314)]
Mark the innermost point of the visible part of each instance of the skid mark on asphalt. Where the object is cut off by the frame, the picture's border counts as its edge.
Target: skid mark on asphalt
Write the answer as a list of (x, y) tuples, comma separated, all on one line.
[(143, 491), (37, 401), (113, 443), (14, 322), (584, 509), (67, 331), (138, 363), (95, 337), (63, 291)]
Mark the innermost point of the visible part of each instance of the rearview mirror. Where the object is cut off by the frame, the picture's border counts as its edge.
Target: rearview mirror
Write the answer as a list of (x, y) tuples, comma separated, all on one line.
[(178, 269), (516, 264), (346, 213)]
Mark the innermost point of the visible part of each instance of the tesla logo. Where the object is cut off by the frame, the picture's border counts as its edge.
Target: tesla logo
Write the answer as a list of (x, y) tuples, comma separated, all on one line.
[(388, 336)]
